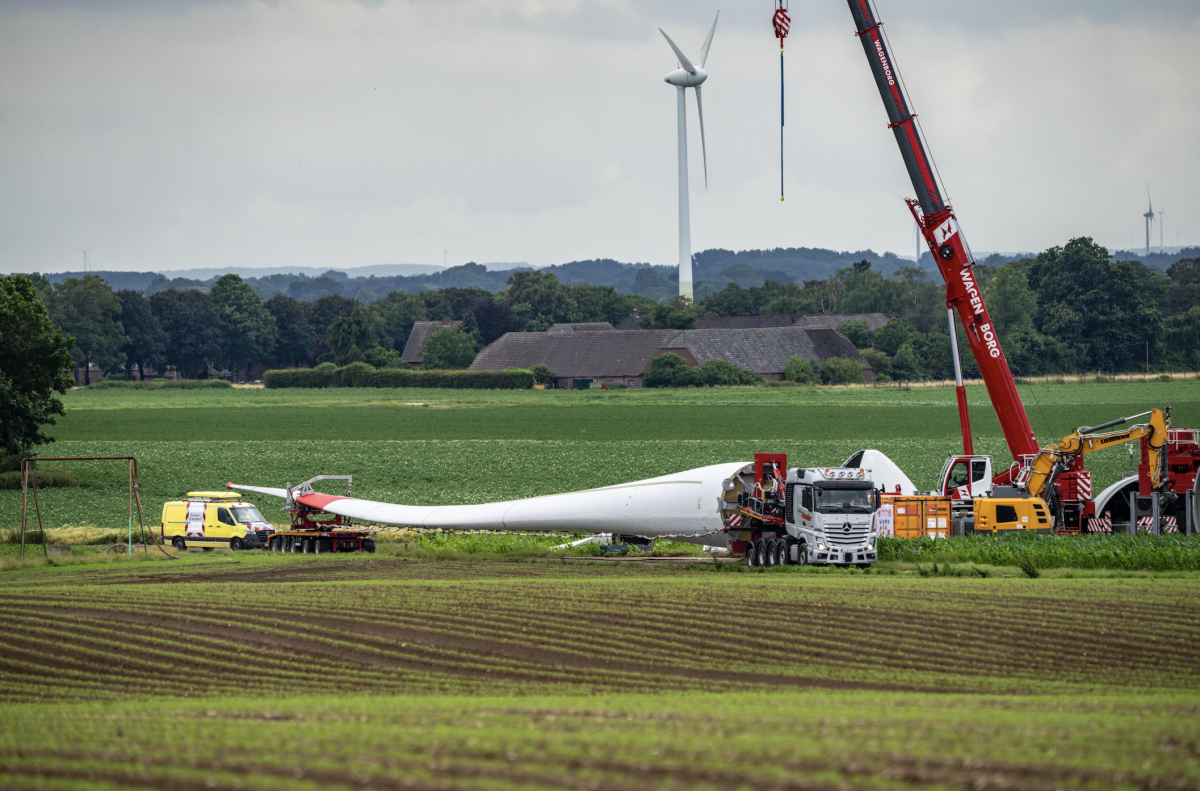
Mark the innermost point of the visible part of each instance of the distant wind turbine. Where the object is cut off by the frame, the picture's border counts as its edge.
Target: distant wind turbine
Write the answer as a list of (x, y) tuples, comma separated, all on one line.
[(1149, 215), (86, 261), (688, 76), (1162, 215)]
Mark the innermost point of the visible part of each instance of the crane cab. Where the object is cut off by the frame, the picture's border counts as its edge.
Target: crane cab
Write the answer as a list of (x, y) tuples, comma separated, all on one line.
[(966, 477)]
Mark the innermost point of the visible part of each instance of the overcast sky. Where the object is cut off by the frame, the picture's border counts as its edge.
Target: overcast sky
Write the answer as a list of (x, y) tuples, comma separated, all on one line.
[(178, 134)]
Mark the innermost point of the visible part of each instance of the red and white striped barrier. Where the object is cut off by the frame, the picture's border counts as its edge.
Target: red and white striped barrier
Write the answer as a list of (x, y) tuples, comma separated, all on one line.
[(1169, 524), (1084, 482), (1100, 525)]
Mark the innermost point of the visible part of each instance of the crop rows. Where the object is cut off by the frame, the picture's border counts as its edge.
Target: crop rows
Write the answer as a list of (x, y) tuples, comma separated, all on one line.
[(783, 740), (595, 634)]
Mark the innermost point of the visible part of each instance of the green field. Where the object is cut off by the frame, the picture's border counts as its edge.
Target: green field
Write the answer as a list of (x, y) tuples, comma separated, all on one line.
[(266, 672)]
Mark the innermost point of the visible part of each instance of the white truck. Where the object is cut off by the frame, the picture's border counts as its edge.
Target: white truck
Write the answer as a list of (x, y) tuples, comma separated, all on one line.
[(817, 515)]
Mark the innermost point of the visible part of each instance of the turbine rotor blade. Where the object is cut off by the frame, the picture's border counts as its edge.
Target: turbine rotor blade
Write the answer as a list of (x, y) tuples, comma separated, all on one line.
[(703, 148), (708, 41), (684, 63)]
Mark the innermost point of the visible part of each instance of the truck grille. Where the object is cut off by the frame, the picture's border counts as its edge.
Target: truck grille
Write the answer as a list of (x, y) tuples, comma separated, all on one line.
[(837, 536)]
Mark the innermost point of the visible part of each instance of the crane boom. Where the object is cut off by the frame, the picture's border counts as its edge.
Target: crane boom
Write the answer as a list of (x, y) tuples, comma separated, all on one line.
[(938, 224)]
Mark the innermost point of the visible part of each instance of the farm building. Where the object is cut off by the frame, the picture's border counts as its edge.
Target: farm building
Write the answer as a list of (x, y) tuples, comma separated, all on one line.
[(420, 331), (872, 320), (581, 358)]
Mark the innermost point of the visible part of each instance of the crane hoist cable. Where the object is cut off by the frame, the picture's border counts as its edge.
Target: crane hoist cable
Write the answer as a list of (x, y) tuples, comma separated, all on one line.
[(782, 23)]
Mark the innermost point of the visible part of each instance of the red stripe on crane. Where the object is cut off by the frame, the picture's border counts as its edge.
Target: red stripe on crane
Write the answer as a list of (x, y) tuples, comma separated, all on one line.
[(317, 500)]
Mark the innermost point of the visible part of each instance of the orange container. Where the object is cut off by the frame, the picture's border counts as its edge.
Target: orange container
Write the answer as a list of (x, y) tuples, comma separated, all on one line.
[(918, 516)]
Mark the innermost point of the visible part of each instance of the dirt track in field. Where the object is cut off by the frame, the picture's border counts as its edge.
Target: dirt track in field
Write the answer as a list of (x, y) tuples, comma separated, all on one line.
[(584, 628)]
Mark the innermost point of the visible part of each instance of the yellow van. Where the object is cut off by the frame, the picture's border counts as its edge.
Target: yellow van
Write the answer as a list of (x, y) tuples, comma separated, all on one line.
[(214, 519)]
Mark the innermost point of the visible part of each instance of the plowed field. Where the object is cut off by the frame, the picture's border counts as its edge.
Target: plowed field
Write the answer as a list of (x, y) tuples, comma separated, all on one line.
[(389, 673)]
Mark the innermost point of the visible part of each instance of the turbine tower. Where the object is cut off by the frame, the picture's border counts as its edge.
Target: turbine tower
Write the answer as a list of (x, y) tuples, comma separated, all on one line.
[(688, 76), (1162, 215), (1149, 215), (86, 261)]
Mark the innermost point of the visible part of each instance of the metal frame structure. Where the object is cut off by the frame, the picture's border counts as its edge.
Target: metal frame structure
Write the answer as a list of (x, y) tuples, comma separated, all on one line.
[(27, 481)]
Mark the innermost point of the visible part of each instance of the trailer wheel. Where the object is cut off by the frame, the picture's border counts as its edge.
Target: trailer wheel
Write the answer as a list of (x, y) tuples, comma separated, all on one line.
[(276, 544), (752, 554), (236, 544), (306, 546), (322, 545), (368, 545), (768, 550), (179, 544)]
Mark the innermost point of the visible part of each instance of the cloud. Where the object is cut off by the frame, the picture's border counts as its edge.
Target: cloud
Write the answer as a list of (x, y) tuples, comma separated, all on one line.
[(327, 132)]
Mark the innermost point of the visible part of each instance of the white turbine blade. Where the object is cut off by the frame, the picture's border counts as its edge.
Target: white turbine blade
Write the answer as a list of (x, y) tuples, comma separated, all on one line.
[(703, 149), (708, 41), (684, 63)]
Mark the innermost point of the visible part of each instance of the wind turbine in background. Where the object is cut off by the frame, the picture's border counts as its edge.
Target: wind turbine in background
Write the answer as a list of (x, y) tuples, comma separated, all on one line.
[(1149, 215), (86, 262), (688, 76), (1162, 215)]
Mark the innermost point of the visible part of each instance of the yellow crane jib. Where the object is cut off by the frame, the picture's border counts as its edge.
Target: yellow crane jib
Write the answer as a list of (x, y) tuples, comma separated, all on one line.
[(1053, 459)]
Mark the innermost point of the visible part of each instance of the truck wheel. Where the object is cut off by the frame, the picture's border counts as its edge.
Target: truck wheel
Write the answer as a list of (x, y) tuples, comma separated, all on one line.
[(236, 544), (179, 544), (802, 555), (785, 554)]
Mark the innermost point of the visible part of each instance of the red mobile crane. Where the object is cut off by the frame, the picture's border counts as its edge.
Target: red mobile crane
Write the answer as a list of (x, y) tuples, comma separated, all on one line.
[(1073, 487)]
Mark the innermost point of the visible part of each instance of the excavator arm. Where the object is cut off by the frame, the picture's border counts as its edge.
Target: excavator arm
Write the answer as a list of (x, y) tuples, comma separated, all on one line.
[(1053, 459)]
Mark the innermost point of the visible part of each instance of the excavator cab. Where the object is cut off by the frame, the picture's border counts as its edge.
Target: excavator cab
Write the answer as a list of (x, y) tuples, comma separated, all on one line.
[(966, 477)]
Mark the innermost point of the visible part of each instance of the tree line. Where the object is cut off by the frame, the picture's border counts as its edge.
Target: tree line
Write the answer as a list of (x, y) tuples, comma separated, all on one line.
[(1070, 308), (1067, 309), (127, 334)]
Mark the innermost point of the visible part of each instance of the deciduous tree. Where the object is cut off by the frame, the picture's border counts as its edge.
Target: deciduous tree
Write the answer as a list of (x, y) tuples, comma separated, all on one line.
[(248, 330), (34, 359), (189, 319), (146, 340), (349, 337), (448, 348), (87, 309), (296, 338)]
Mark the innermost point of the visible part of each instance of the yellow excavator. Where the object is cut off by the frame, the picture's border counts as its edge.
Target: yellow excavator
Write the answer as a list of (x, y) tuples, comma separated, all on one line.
[(1054, 459)]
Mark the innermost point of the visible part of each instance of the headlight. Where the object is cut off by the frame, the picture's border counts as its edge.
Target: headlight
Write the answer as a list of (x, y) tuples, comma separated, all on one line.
[(820, 545), (871, 545)]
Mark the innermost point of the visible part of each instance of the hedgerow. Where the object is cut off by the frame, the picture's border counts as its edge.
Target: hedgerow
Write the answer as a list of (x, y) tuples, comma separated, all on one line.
[(360, 374)]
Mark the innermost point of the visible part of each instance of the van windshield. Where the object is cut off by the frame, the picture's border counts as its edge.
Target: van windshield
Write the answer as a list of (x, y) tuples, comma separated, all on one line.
[(247, 513), (845, 501)]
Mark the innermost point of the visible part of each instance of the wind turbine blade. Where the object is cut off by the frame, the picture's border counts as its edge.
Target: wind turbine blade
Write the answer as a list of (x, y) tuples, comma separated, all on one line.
[(684, 63), (708, 41), (703, 148)]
